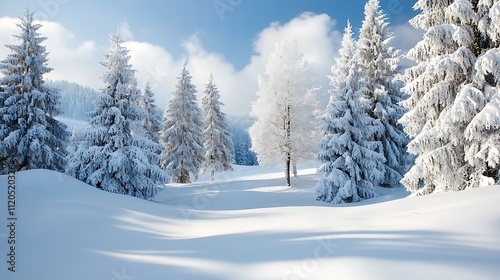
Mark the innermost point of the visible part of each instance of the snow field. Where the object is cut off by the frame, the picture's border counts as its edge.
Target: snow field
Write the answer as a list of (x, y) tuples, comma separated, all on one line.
[(248, 225)]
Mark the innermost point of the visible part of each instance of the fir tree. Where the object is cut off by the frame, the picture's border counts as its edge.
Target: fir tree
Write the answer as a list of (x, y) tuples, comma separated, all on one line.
[(349, 158), (476, 109), (151, 124), (455, 87), (31, 138), (285, 130), (182, 132), (112, 154), (445, 59), (380, 62), (219, 149)]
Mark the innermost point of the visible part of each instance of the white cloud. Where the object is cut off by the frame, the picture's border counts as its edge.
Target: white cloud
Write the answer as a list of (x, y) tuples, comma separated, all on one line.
[(124, 29), (156, 66), (70, 58), (78, 60), (406, 36), (8, 26), (315, 34)]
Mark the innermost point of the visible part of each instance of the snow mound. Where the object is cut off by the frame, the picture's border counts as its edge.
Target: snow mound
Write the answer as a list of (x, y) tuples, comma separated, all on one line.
[(247, 229)]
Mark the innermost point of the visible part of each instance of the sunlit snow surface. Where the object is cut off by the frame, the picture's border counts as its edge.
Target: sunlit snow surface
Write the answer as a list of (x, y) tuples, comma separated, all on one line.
[(247, 225)]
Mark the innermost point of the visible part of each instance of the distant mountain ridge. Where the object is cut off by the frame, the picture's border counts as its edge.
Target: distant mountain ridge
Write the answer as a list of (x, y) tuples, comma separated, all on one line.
[(76, 100)]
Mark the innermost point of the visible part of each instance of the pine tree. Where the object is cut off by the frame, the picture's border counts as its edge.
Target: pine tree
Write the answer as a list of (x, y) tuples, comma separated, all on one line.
[(380, 63), (31, 138), (476, 109), (445, 60), (218, 146), (182, 132), (349, 158), (112, 154), (151, 124), (285, 131)]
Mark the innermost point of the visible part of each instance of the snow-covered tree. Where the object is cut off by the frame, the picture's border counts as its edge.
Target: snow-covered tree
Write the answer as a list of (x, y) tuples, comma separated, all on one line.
[(182, 132), (76, 100), (380, 62), (350, 161), (112, 154), (445, 59), (453, 96), (238, 127), (219, 149), (488, 25), (30, 137), (285, 130), (151, 124), (476, 109)]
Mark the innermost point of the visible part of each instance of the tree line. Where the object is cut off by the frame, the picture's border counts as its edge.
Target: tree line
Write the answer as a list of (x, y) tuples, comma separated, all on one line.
[(125, 149), (433, 127)]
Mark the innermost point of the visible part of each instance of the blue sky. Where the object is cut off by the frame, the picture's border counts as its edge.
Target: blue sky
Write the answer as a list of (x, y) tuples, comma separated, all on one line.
[(229, 30)]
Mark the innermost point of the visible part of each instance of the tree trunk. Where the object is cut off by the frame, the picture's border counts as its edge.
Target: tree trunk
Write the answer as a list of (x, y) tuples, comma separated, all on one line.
[(288, 161), (185, 177), (212, 175), (288, 145)]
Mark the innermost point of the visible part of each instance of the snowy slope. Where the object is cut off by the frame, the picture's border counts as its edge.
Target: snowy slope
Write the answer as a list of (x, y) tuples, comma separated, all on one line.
[(73, 124), (247, 227)]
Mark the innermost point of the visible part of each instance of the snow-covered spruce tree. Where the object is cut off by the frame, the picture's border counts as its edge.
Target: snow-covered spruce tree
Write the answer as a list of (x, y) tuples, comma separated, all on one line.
[(30, 136), (151, 124), (380, 63), (238, 127), (112, 154), (488, 25), (218, 146), (350, 163), (285, 131), (445, 60), (182, 132), (477, 106)]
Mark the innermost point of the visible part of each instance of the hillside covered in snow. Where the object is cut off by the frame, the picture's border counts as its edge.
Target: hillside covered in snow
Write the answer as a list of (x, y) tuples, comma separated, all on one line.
[(247, 225)]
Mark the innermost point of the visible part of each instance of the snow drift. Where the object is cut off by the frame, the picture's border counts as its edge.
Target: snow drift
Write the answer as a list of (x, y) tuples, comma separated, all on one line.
[(247, 226)]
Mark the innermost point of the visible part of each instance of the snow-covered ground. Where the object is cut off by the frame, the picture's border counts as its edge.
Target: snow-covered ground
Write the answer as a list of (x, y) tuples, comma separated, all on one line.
[(247, 226), (73, 124)]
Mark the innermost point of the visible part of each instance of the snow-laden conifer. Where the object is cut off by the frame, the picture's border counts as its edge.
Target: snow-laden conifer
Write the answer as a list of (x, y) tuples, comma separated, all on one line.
[(476, 110), (30, 136), (112, 153), (151, 123), (380, 62), (182, 132), (445, 59), (350, 163), (219, 149)]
